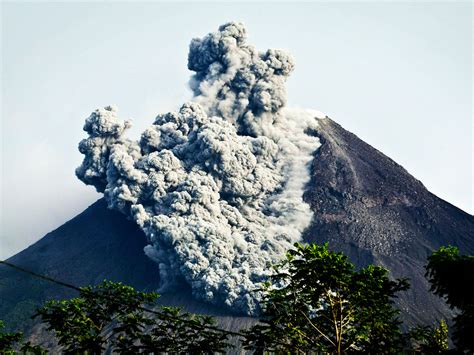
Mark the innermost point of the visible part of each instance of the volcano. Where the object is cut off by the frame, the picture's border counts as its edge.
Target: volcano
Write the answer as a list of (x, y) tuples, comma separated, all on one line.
[(364, 204), (212, 196)]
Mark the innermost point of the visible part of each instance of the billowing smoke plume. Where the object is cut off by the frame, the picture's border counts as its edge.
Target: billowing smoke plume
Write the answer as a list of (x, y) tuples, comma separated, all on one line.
[(235, 81), (217, 186)]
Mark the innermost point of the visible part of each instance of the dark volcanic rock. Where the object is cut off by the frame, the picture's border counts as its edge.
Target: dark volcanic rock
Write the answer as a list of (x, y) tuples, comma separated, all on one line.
[(373, 210), (96, 244), (365, 205)]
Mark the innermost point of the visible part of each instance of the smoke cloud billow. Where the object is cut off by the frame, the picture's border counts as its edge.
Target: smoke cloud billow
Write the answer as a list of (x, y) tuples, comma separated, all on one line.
[(235, 81), (217, 187)]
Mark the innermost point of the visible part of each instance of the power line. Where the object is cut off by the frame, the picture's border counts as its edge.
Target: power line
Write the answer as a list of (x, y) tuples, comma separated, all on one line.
[(39, 275)]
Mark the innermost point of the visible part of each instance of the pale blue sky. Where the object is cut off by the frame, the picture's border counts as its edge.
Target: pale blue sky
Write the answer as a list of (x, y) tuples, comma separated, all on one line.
[(399, 75)]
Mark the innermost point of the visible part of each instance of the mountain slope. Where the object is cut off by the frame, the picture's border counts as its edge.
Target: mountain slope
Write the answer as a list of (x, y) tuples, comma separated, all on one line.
[(365, 205), (373, 210), (96, 244)]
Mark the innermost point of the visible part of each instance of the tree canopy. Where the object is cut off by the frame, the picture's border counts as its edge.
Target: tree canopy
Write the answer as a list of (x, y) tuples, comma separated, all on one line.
[(114, 316), (451, 276), (317, 301)]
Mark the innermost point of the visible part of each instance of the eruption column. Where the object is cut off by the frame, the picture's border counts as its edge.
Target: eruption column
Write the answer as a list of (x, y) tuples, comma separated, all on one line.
[(217, 187)]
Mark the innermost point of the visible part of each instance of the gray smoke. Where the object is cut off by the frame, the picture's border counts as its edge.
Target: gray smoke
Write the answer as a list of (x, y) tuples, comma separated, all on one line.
[(235, 81), (217, 186)]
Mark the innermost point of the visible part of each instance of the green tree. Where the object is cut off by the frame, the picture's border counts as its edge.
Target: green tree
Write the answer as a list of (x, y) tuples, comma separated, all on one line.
[(316, 301), (114, 316), (173, 331), (8, 340), (429, 340), (451, 276)]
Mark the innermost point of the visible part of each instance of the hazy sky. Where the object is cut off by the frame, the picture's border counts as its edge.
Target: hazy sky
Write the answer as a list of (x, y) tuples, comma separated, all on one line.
[(399, 75)]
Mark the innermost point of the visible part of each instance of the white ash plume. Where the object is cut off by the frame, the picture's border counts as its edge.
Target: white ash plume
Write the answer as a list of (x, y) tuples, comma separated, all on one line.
[(217, 187), (235, 81)]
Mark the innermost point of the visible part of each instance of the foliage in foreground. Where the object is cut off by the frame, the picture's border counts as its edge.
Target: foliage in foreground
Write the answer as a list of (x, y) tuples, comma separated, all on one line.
[(452, 276), (112, 315), (317, 302), (314, 302), (9, 340), (429, 340)]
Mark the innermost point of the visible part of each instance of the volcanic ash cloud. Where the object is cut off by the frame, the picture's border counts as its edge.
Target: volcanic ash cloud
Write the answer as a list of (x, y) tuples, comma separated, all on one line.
[(217, 187)]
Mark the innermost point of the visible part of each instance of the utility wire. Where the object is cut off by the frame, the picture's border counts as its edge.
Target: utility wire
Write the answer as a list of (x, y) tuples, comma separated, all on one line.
[(47, 278)]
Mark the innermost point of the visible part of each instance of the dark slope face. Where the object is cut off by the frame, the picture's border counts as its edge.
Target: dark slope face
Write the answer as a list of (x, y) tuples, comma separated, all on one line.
[(365, 205), (370, 208), (97, 244)]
